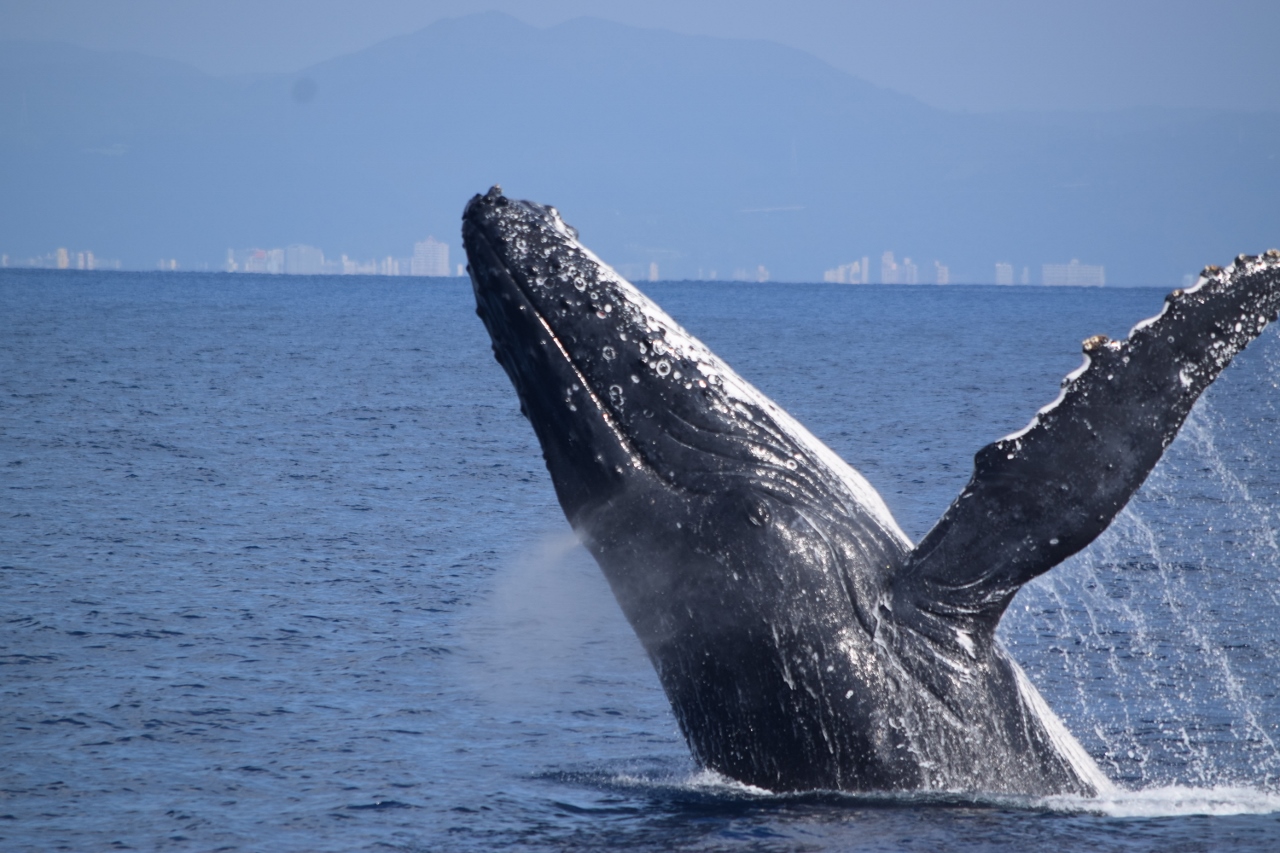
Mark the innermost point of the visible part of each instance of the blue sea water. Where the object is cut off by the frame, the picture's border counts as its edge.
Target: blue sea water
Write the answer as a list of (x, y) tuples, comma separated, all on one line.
[(281, 569)]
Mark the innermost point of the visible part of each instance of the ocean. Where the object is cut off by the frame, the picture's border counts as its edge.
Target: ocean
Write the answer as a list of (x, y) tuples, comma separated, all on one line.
[(281, 569)]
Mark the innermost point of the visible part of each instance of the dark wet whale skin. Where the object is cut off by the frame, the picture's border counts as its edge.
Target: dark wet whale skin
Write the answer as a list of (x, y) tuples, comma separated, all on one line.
[(803, 642)]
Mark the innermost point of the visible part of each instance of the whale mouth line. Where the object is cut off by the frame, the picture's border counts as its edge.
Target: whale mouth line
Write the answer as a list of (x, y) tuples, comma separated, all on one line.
[(528, 303)]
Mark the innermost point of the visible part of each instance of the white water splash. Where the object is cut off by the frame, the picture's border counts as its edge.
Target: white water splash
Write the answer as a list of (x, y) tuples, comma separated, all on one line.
[(1171, 801), (1152, 643)]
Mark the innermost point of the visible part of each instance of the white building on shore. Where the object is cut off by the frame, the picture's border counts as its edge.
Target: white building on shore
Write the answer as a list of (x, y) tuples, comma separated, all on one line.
[(303, 260), (888, 269), (1074, 274), (430, 257), (910, 273), (855, 272)]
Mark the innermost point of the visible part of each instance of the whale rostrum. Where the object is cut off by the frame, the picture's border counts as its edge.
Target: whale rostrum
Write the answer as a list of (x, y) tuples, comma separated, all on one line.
[(804, 642)]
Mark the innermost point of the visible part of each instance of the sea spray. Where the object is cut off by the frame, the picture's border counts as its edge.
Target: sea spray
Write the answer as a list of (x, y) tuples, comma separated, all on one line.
[(1149, 663)]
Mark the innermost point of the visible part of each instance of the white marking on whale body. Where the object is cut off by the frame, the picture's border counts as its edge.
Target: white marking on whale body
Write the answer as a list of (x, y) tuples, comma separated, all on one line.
[(1065, 743)]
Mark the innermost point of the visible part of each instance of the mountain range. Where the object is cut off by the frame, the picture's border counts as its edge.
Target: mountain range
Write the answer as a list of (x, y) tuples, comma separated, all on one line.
[(696, 154)]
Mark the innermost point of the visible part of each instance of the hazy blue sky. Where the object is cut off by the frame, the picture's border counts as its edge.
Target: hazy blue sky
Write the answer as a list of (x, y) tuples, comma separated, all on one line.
[(976, 55)]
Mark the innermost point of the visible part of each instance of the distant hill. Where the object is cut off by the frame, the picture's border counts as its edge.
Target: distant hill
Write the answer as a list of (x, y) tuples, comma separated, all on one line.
[(698, 154)]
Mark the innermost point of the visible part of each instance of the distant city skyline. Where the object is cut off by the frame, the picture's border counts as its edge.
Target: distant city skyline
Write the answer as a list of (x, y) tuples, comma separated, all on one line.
[(430, 259), (892, 271), (62, 258)]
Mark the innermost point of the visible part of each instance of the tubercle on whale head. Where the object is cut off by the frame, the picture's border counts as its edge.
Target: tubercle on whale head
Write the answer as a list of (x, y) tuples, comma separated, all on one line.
[(510, 263), (587, 350), (582, 345)]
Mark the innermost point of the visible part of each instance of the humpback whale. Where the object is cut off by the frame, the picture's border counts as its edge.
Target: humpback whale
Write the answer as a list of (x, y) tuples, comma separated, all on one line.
[(803, 640)]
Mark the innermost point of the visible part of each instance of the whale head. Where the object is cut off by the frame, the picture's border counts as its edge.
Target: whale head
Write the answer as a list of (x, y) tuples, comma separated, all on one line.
[(616, 389)]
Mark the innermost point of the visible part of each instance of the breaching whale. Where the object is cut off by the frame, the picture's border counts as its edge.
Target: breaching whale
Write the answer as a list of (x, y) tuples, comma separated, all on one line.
[(803, 641)]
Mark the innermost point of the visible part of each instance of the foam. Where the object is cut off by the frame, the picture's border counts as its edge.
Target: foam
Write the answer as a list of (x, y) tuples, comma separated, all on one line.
[(1171, 801)]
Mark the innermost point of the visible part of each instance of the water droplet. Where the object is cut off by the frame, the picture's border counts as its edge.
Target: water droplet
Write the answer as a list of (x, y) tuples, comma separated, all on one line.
[(676, 375), (662, 367), (608, 309), (635, 378), (608, 353), (791, 463), (615, 396), (659, 347)]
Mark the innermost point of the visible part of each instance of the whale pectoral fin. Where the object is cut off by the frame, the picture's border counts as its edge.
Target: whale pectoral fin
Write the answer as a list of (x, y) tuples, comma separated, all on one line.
[(1040, 495)]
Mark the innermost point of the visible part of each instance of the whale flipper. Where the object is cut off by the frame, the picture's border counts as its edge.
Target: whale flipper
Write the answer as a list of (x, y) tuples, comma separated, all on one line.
[(1042, 494)]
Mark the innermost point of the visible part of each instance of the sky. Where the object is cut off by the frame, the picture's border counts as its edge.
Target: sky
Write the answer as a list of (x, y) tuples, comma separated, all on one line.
[(964, 55)]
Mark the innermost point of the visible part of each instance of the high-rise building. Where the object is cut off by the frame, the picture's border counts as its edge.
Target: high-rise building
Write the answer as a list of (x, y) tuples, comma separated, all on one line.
[(653, 270), (851, 273), (1004, 273), (910, 273), (1074, 274), (64, 260), (256, 260), (303, 260), (351, 266), (941, 273), (430, 257), (888, 269)]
